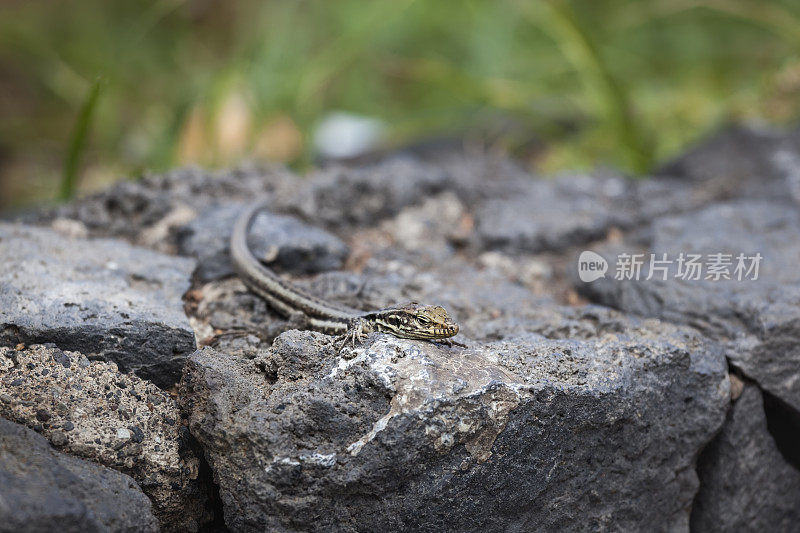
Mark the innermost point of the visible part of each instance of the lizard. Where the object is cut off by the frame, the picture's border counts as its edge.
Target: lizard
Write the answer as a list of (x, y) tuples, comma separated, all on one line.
[(408, 321)]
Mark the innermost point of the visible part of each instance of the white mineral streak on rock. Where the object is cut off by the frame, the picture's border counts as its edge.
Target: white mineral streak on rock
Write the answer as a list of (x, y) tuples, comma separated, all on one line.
[(345, 363), (379, 426), (326, 460), (318, 459)]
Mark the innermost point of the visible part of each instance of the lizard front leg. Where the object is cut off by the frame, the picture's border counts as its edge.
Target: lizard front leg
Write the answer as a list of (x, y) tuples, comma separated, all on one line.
[(449, 342), (356, 332)]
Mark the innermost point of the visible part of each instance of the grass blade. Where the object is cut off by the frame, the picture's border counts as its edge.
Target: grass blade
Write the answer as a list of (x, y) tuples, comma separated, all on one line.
[(77, 142)]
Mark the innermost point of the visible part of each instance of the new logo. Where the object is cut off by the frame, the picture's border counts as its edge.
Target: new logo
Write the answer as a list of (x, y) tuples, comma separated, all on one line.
[(591, 266)]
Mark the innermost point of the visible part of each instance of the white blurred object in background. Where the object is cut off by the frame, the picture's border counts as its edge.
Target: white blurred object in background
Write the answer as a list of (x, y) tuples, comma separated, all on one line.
[(342, 135)]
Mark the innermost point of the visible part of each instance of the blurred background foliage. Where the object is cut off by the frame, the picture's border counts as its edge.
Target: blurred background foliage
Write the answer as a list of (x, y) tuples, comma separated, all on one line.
[(92, 91)]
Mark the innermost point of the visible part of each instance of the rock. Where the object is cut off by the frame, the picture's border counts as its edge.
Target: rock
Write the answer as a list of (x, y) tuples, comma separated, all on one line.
[(522, 433), (146, 211), (535, 215), (759, 320), (431, 227), (43, 490), (742, 162), (103, 298), (89, 409), (554, 214), (478, 177), (745, 482), (340, 197), (554, 417), (283, 242)]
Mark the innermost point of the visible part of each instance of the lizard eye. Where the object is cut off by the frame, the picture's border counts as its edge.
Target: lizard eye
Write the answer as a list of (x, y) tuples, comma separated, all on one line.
[(423, 319)]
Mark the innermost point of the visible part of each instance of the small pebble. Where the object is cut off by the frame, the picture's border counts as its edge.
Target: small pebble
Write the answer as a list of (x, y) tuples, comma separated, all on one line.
[(138, 434), (58, 438), (61, 358), (737, 387)]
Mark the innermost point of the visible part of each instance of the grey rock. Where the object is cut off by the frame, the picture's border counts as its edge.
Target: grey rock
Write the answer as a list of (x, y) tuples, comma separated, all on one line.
[(532, 215), (432, 228), (89, 409), (553, 418), (747, 226), (477, 177), (519, 434), (42, 490), (227, 306), (283, 242), (554, 214), (745, 482), (146, 211), (759, 320), (343, 197), (742, 162), (103, 298)]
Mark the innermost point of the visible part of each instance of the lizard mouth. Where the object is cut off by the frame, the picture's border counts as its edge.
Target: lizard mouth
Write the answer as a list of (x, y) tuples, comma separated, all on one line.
[(447, 331)]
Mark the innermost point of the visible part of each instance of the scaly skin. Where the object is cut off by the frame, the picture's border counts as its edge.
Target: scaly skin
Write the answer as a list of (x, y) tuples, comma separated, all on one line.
[(407, 321)]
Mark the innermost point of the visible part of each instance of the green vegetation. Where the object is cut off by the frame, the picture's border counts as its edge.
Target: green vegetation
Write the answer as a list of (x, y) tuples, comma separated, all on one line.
[(559, 83), (78, 141)]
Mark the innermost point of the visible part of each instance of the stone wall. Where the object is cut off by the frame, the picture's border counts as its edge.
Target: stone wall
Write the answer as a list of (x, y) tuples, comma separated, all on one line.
[(126, 342)]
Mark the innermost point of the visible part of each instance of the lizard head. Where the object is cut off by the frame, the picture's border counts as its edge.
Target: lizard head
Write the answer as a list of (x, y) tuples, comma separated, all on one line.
[(417, 321)]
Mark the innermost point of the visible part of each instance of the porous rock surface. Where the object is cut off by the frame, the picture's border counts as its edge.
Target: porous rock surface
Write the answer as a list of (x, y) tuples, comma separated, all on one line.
[(525, 432), (91, 410), (44, 490), (102, 297)]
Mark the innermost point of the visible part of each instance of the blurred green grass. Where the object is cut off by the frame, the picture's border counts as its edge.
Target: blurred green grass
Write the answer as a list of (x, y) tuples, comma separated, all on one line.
[(559, 83)]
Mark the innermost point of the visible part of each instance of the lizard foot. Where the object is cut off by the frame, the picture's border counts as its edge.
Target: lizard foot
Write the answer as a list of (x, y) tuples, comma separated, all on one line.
[(450, 343), (354, 334)]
